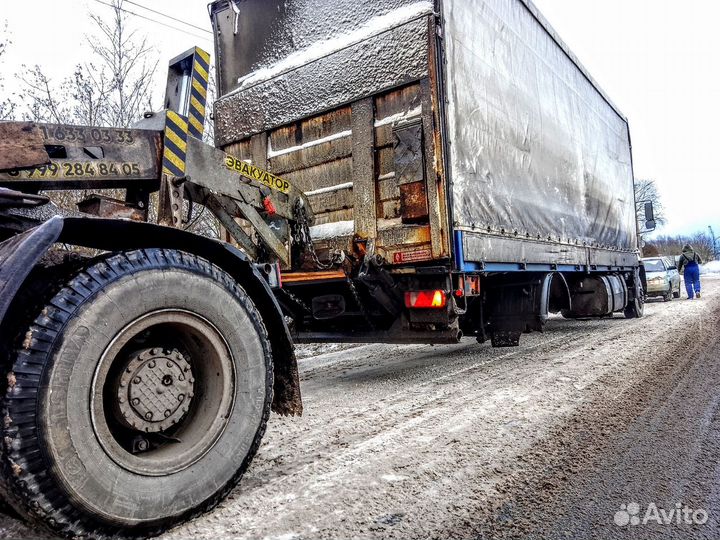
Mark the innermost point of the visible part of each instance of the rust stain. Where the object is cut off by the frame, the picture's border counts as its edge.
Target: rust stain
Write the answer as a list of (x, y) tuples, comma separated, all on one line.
[(16, 469), (11, 380), (413, 202)]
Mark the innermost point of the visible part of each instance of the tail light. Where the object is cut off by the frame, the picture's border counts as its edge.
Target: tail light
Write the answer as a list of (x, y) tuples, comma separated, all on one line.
[(425, 299)]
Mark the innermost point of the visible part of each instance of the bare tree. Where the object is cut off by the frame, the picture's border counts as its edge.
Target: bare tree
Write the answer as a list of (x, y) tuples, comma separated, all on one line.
[(129, 61), (113, 89), (646, 191), (673, 245), (7, 105)]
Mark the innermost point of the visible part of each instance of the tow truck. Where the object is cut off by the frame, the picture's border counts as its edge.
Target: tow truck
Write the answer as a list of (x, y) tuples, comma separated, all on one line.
[(140, 361)]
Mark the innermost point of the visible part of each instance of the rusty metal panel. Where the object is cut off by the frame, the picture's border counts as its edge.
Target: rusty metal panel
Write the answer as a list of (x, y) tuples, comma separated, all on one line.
[(391, 58), (92, 157), (408, 154), (107, 207), (413, 202), (21, 145), (256, 37)]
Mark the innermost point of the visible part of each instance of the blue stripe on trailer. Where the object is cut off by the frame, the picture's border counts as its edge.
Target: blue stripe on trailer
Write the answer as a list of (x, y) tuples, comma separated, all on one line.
[(462, 265)]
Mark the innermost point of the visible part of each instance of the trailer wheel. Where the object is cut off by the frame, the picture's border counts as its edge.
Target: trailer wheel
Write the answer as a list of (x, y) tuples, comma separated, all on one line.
[(137, 398), (635, 308)]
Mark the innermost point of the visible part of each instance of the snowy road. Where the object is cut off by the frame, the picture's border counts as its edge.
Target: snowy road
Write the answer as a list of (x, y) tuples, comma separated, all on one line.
[(466, 441)]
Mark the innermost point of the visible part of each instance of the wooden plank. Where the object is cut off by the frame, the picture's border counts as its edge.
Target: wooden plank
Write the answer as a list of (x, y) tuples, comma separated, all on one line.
[(258, 150), (397, 101), (311, 156), (332, 217), (388, 189), (363, 164), (322, 176), (311, 129), (341, 199), (390, 209), (385, 159), (21, 146), (240, 150)]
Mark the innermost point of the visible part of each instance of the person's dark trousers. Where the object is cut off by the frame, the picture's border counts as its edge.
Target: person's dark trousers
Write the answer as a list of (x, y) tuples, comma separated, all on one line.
[(692, 279)]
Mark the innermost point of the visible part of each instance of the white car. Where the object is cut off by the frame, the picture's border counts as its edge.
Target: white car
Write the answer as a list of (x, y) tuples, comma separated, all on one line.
[(663, 278)]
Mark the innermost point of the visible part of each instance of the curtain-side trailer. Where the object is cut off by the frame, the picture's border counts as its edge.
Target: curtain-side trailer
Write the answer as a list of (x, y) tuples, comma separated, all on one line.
[(471, 172)]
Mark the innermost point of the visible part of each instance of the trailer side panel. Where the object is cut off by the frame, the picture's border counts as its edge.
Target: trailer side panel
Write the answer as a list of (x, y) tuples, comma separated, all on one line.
[(539, 157)]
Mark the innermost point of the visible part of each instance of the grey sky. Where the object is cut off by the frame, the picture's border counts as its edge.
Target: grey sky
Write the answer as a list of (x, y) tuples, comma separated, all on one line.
[(655, 58)]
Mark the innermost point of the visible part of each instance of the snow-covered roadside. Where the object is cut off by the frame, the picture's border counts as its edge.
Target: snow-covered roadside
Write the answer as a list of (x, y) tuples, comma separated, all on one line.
[(712, 267)]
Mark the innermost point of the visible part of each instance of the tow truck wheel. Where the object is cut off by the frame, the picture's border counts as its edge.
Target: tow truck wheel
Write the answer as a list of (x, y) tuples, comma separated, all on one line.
[(137, 397)]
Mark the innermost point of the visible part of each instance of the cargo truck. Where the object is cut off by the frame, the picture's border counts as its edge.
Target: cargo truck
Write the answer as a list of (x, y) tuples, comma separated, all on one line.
[(387, 171), (457, 148)]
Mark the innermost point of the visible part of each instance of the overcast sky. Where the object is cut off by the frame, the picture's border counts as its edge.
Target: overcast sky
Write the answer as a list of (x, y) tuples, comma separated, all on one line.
[(657, 60)]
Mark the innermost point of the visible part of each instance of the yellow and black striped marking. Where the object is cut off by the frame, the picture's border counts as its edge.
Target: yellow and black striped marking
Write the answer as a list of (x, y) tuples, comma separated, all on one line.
[(175, 144), (198, 92)]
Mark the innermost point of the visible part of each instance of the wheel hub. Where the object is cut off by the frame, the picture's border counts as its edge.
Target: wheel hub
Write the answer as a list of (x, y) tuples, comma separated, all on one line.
[(155, 390)]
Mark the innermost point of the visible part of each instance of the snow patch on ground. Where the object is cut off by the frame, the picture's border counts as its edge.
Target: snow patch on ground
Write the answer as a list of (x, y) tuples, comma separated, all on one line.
[(310, 350)]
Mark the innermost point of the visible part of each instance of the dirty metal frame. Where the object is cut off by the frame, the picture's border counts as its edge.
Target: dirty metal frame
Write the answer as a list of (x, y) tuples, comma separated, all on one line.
[(167, 157)]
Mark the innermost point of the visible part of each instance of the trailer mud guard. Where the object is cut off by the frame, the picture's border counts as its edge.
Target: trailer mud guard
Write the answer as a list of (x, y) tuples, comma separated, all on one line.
[(19, 254), (517, 303)]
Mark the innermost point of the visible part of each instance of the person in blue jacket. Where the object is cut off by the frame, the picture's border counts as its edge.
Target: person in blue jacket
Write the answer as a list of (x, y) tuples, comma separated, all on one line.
[(690, 261)]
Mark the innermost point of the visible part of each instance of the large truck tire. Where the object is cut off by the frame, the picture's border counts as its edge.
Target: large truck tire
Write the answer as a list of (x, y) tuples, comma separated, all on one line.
[(136, 398)]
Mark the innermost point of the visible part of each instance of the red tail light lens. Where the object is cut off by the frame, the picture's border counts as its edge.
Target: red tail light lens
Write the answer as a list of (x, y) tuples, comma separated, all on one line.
[(426, 299)]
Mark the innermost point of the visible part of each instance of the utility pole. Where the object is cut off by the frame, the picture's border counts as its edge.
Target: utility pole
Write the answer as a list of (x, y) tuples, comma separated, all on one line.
[(714, 242)]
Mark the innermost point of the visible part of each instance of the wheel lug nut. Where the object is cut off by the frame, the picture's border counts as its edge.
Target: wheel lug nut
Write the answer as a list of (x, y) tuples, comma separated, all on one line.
[(169, 363), (181, 377), (151, 364), (137, 380), (181, 397), (148, 415), (167, 413), (136, 401)]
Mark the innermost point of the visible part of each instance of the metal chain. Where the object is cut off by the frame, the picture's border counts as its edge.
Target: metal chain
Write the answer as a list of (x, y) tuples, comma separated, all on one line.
[(301, 236), (359, 302), (297, 301)]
